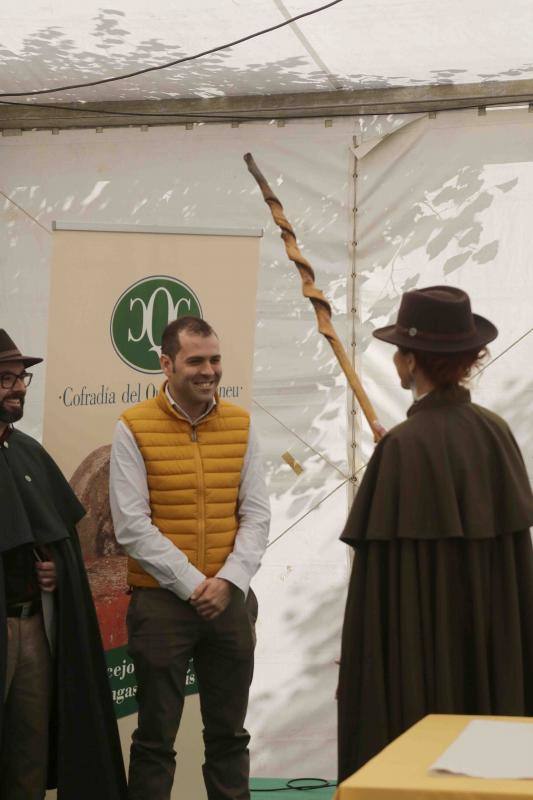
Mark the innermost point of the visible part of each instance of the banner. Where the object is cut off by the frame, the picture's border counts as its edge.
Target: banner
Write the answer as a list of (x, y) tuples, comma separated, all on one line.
[(112, 293)]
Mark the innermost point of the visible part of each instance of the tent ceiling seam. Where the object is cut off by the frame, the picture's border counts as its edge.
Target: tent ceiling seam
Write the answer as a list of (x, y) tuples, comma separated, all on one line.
[(345, 103)]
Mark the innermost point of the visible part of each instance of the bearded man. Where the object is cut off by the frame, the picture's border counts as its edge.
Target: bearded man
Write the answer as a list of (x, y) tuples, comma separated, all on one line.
[(57, 725)]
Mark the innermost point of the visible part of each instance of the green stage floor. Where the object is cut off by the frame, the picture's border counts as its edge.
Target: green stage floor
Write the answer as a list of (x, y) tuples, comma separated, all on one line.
[(286, 794)]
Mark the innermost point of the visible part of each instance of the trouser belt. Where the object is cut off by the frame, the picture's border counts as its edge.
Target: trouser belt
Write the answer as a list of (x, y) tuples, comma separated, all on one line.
[(24, 610)]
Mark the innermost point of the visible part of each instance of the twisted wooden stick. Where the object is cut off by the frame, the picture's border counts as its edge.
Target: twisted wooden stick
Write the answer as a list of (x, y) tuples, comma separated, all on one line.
[(309, 290)]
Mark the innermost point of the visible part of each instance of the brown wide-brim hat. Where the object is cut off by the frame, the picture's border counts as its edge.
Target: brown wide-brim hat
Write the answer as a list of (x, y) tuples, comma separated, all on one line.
[(10, 352), (438, 319)]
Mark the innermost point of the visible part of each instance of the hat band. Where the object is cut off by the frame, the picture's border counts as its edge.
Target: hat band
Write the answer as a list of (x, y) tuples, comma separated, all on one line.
[(10, 355), (444, 337)]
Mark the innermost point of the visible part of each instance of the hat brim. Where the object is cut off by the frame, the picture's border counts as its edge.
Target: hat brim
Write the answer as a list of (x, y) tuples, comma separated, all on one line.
[(28, 361), (484, 333)]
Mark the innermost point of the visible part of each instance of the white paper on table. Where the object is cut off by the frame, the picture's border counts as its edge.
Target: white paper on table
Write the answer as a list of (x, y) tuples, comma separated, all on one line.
[(490, 749)]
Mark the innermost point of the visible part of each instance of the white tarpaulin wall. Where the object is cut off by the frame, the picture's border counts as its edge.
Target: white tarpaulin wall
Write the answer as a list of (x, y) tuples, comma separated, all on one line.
[(445, 200), (449, 200)]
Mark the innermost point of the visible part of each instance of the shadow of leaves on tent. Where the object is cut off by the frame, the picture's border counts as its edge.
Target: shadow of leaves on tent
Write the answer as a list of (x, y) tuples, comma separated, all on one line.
[(108, 49), (56, 59), (444, 222)]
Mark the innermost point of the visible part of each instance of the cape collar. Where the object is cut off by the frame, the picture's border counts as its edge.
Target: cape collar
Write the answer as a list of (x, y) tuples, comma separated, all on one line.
[(456, 395)]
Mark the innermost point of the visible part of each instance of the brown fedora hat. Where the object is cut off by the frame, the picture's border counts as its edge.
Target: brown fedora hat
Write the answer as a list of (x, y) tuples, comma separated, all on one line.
[(438, 319), (10, 352)]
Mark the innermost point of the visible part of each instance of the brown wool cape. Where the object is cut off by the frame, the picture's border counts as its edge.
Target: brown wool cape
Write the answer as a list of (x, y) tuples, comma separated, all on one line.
[(439, 616), (85, 758)]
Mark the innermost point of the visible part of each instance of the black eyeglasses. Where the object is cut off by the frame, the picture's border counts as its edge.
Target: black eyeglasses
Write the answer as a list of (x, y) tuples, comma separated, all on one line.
[(9, 379)]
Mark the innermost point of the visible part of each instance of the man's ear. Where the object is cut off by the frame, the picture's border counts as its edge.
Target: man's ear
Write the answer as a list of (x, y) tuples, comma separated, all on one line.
[(166, 364), (411, 363)]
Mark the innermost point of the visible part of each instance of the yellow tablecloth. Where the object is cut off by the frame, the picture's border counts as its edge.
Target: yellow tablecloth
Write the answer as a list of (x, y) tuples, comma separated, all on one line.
[(401, 769)]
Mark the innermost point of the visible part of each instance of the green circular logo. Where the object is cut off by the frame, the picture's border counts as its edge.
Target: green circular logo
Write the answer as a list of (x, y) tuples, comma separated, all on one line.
[(142, 313)]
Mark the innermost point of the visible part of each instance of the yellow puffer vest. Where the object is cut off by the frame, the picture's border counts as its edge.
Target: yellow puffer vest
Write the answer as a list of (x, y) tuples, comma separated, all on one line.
[(193, 475)]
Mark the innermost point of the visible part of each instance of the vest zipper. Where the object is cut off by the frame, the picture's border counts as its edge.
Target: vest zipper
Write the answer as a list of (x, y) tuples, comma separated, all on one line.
[(201, 565)]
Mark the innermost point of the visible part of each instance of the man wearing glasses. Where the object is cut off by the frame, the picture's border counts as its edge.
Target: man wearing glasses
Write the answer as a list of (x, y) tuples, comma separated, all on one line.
[(57, 726)]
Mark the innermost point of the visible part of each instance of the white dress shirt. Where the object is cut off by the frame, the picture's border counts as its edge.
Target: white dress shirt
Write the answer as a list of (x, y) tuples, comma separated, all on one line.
[(143, 541)]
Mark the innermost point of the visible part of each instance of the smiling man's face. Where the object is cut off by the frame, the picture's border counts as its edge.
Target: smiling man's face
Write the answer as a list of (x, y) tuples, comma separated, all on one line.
[(195, 373), (11, 400)]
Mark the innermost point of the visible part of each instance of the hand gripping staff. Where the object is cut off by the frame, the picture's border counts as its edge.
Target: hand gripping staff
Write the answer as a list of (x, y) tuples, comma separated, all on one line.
[(320, 304)]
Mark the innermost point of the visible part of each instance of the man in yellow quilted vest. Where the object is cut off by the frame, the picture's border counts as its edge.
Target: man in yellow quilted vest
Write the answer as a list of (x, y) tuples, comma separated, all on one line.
[(190, 507)]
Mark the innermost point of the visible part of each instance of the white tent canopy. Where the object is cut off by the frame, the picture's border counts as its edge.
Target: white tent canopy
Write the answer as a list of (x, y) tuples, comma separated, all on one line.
[(356, 44)]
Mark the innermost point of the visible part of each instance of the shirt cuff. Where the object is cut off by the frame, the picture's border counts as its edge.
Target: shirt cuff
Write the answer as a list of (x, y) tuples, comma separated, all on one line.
[(235, 574), (187, 583)]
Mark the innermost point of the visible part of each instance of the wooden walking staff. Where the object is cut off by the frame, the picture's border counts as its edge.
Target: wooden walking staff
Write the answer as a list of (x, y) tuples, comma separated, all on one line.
[(309, 290)]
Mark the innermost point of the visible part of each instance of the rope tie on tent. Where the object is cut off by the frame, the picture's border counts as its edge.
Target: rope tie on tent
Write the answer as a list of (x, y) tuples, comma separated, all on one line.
[(352, 477), (301, 439), (309, 511), (26, 213), (513, 344)]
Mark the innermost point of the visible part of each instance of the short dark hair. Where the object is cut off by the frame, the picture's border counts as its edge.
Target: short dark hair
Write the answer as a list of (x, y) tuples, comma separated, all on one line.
[(170, 340), (447, 369)]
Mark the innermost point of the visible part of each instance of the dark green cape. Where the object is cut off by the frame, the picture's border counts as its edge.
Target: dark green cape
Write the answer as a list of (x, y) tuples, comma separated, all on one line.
[(440, 603), (39, 506)]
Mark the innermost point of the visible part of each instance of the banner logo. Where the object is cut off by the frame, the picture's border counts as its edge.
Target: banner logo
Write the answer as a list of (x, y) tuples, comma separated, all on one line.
[(142, 313)]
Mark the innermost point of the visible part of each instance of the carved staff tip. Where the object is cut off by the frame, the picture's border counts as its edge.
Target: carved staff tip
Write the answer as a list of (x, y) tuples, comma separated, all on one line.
[(309, 290)]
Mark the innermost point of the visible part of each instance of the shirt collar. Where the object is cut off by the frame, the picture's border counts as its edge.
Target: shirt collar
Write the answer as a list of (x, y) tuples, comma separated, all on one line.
[(183, 413)]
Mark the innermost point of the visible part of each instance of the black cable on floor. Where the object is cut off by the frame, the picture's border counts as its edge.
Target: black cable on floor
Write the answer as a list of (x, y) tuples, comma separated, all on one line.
[(319, 783)]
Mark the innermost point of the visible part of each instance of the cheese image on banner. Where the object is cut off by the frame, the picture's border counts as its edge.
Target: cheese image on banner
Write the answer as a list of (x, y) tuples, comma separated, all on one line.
[(112, 293)]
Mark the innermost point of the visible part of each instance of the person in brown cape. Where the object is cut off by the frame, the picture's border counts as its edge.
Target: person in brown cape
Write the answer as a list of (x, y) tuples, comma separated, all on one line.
[(440, 604), (57, 723)]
